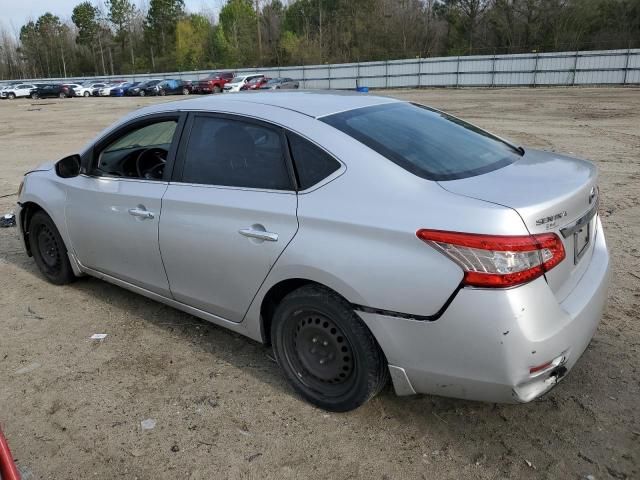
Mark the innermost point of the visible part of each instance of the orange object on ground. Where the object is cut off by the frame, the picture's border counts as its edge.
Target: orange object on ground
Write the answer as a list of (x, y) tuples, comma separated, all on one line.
[(8, 469)]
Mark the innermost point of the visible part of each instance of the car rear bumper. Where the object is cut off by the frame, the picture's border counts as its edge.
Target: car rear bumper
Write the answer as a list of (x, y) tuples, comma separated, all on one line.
[(486, 342)]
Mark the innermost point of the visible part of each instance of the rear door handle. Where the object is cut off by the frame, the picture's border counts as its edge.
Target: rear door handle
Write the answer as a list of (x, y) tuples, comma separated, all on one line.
[(141, 213), (259, 234)]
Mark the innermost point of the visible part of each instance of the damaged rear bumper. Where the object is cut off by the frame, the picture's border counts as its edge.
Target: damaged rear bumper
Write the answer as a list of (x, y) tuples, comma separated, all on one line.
[(504, 346)]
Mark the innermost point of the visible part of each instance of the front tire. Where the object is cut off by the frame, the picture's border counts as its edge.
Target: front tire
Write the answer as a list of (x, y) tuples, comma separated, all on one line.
[(48, 249), (61, 95), (185, 91), (326, 352), (142, 94), (11, 96), (34, 96), (217, 89), (86, 94)]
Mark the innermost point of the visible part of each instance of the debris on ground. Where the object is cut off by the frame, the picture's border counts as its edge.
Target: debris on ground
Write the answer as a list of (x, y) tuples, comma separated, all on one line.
[(98, 336), (8, 220), (148, 424), (29, 368)]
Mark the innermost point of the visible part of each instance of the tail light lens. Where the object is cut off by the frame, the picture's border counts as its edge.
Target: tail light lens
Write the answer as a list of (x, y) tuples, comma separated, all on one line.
[(497, 261)]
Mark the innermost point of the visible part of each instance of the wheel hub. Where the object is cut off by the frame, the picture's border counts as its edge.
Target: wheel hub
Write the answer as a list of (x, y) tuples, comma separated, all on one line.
[(48, 247), (322, 349)]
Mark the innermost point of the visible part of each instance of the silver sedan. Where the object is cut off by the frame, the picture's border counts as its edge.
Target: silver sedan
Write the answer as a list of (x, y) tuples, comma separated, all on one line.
[(364, 238)]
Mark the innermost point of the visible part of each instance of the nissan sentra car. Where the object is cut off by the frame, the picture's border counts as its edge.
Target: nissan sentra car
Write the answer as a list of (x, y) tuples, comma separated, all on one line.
[(363, 237)]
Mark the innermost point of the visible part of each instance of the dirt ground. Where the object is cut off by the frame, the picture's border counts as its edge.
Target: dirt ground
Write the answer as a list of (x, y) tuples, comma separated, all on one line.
[(72, 408)]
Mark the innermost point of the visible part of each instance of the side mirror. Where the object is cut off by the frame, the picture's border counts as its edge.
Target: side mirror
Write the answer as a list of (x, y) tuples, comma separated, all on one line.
[(68, 167)]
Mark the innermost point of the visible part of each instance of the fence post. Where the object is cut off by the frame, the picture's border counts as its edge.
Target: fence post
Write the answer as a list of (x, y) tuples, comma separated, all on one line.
[(358, 74), (419, 72), (535, 70), (493, 70), (575, 66), (329, 66), (626, 65), (457, 71), (304, 82), (386, 74)]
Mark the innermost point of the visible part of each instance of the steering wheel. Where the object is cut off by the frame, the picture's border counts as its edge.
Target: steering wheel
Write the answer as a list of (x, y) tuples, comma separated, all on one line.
[(157, 157)]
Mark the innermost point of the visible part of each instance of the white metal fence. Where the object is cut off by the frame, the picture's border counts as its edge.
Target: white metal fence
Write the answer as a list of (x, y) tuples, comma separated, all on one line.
[(604, 67)]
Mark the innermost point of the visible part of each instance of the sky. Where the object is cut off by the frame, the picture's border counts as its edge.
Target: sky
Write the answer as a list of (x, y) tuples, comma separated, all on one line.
[(16, 13)]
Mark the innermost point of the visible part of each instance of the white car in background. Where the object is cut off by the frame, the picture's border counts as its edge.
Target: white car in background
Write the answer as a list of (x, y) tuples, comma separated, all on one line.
[(106, 90), (237, 82), (86, 89), (17, 91)]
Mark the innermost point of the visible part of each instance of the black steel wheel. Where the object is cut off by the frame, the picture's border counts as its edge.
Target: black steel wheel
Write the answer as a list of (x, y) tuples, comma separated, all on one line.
[(327, 353), (48, 249)]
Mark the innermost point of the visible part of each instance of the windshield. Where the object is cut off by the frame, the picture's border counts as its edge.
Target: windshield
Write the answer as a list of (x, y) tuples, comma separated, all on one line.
[(237, 80), (274, 81), (425, 142)]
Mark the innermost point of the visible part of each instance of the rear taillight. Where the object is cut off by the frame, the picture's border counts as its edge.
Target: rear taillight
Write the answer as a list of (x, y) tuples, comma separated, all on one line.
[(497, 261)]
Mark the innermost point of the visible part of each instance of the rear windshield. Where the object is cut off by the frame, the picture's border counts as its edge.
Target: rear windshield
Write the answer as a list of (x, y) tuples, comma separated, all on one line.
[(425, 142)]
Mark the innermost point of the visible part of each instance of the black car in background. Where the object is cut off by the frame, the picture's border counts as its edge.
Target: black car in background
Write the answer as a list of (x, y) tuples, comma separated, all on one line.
[(140, 89), (168, 87), (51, 90)]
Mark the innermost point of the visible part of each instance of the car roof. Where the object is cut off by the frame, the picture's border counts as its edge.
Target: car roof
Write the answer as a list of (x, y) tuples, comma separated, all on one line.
[(313, 103)]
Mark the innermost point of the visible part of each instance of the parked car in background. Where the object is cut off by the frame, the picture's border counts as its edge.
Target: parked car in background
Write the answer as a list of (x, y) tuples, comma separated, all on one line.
[(469, 267), (237, 82), (122, 90), (278, 83), (175, 87), (169, 87), (51, 90), (17, 91), (213, 83), (72, 88), (141, 89), (255, 83), (106, 90), (86, 89)]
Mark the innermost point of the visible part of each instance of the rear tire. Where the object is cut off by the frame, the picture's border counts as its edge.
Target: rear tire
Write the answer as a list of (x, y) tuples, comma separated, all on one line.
[(48, 249), (142, 94), (216, 89), (34, 96), (86, 94), (61, 95), (326, 352), (11, 96), (185, 91)]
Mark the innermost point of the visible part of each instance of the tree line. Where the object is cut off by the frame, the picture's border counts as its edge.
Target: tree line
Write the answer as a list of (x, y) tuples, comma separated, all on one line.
[(119, 37)]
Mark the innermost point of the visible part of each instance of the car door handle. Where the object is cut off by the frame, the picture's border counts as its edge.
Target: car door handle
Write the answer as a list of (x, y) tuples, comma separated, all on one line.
[(259, 234), (139, 212)]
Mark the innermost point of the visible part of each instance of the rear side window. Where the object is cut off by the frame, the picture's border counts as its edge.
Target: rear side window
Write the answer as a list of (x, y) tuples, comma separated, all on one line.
[(312, 163), (234, 153), (425, 142)]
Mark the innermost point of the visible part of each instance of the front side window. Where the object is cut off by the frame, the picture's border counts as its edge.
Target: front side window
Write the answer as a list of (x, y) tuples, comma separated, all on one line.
[(425, 142), (138, 153), (229, 152)]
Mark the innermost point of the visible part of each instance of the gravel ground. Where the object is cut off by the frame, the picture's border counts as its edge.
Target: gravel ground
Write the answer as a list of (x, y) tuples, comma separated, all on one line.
[(72, 408)]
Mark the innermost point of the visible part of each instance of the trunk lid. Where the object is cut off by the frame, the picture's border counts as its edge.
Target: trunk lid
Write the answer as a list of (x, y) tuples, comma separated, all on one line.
[(551, 193)]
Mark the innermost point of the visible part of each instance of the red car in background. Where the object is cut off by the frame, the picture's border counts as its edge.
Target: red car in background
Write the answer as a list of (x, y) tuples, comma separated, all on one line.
[(213, 83), (255, 84)]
